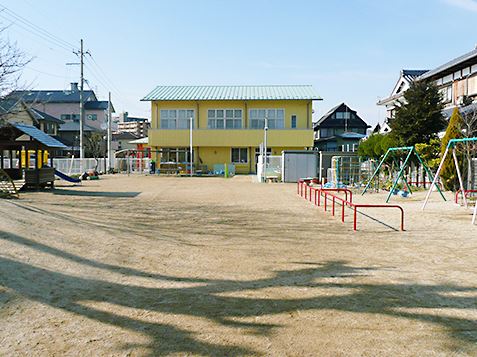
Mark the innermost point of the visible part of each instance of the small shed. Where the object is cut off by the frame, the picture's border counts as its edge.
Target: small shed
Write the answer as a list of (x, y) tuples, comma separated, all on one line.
[(298, 164), (20, 140)]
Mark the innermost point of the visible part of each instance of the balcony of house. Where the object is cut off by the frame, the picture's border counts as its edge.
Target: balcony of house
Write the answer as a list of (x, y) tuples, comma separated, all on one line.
[(230, 137)]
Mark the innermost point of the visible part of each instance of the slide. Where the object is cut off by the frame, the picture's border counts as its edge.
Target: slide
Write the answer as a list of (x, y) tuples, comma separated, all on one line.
[(62, 176)]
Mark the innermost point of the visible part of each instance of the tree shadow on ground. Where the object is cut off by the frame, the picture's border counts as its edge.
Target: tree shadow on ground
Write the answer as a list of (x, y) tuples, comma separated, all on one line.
[(215, 300)]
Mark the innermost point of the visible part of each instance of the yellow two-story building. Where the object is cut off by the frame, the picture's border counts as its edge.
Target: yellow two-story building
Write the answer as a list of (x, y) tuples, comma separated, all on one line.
[(228, 123)]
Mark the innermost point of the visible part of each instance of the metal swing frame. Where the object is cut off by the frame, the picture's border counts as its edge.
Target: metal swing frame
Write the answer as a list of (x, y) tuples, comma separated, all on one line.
[(451, 145), (390, 153)]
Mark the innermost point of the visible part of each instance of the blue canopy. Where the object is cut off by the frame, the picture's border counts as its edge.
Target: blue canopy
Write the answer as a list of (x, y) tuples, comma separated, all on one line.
[(39, 136)]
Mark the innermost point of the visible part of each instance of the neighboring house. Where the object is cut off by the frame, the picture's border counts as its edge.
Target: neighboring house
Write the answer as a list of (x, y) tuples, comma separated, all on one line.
[(381, 128), (14, 111), (122, 141), (228, 122), (340, 129), (69, 135), (64, 104), (134, 125), (48, 123), (406, 77), (456, 80)]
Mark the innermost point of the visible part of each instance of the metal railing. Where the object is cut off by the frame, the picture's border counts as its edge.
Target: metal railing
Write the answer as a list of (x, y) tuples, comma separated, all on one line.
[(306, 191), (465, 193)]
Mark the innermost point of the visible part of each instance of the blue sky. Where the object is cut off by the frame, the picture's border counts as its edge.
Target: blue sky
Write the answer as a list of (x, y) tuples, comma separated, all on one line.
[(350, 51)]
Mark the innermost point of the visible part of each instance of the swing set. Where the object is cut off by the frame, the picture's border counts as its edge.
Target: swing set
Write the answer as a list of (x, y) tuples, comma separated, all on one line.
[(452, 145), (392, 153)]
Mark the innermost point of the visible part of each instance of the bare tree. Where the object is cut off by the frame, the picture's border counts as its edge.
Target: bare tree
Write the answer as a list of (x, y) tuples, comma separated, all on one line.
[(12, 62), (94, 147)]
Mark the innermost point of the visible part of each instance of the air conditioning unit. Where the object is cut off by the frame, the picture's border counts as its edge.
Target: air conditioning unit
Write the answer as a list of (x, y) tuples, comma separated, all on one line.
[(90, 117)]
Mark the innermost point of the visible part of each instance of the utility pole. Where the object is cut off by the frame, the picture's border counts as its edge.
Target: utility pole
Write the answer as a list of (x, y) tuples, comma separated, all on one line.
[(81, 109), (81, 54), (109, 133)]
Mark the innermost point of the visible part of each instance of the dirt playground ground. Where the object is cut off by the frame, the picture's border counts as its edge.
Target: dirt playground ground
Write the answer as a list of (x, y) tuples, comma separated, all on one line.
[(151, 266)]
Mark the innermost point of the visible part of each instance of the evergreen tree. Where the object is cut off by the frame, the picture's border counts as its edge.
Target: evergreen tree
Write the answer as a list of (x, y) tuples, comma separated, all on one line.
[(420, 118), (454, 131)]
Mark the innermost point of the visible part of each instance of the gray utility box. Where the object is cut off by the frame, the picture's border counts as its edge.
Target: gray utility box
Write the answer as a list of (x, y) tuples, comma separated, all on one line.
[(298, 164)]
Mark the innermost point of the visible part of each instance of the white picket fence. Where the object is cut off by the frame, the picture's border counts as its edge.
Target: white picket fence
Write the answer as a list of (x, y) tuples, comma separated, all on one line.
[(73, 166), (123, 165)]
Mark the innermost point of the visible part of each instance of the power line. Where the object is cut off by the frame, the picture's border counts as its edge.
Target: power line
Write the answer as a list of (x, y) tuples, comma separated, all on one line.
[(102, 78), (42, 72), (103, 73), (35, 29), (36, 33), (94, 67)]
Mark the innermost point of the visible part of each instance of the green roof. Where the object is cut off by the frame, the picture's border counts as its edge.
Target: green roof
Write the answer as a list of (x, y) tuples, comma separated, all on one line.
[(274, 92)]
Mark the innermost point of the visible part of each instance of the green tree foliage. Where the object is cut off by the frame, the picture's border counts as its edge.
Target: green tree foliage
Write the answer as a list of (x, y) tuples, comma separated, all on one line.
[(420, 118), (454, 131), (429, 153), (375, 146)]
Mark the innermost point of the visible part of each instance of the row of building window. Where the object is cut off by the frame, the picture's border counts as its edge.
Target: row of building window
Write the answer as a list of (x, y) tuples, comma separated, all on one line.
[(226, 118), (327, 132), (176, 119), (77, 117), (238, 155), (461, 88), (343, 148)]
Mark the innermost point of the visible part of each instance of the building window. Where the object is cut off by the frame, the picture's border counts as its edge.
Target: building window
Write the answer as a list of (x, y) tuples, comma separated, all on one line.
[(75, 117), (327, 132), (49, 128), (343, 115), (224, 118), (176, 118), (293, 121), (447, 79), (358, 130), (239, 155), (446, 93), (276, 118), (177, 155)]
